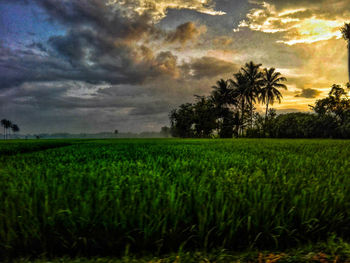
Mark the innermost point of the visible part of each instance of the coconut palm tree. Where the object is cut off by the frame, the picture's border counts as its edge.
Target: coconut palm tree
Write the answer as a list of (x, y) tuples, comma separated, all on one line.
[(269, 93), (253, 76), (346, 35), (8, 127), (223, 98), (241, 94), (222, 94)]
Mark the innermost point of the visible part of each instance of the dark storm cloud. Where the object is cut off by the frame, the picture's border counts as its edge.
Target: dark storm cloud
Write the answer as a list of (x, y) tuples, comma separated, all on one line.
[(308, 93), (209, 67), (99, 45)]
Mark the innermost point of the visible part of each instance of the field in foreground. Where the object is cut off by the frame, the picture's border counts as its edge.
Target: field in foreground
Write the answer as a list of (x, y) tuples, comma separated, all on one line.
[(114, 197)]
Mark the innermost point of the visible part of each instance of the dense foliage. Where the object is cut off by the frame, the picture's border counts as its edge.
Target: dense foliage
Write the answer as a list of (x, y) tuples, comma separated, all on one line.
[(105, 197), (330, 120), (229, 111)]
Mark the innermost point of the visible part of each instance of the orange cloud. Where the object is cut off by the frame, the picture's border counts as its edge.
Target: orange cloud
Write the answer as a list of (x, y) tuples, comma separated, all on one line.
[(300, 25), (157, 9), (186, 32)]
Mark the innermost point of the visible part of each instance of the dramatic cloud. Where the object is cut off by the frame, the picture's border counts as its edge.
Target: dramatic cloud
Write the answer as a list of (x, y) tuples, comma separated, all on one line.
[(308, 93), (157, 9), (98, 65), (209, 67), (296, 25), (186, 32)]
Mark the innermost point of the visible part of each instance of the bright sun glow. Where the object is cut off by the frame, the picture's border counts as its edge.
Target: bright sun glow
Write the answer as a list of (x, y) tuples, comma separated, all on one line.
[(313, 30)]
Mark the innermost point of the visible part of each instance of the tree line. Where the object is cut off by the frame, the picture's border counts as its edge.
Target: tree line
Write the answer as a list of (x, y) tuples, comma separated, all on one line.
[(8, 127), (229, 111), (330, 119)]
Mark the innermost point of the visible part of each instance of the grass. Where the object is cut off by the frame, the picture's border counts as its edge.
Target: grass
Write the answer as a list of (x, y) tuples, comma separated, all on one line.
[(116, 197)]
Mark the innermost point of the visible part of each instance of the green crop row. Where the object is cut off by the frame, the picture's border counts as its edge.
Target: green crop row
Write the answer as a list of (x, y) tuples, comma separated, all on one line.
[(104, 197)]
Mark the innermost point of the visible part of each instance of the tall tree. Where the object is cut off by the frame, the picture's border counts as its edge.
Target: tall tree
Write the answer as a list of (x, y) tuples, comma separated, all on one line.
[(336, 104), (269, 93), (204, 117), (241, 93), (222, 93), (346, 35), (8, 127), (223, 98), (182, 121), (254, 79)]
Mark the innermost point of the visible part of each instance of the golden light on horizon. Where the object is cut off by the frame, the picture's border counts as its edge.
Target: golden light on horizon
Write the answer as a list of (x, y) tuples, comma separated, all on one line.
[(313, 30)]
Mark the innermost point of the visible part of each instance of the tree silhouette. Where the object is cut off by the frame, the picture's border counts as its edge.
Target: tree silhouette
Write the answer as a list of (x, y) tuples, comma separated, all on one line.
[(230, 107), (222, 94), (346, 35), (269, 93), (254, 79), (336, 104), (8, 127), (182, 120), (241, 93), (223, 97), (204, 117)]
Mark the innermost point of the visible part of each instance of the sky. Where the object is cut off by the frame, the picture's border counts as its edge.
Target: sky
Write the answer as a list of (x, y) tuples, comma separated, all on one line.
[(86, 66)]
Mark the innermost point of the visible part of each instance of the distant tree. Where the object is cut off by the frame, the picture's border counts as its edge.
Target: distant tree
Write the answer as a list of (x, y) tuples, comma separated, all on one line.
[(204, 117), (222, 94), (182, 121), (269, 92), (223, 98), (254, 81), (346, 35), (242, 94), (8, 128), (165, 131), (337, 103), (7, 125), (294, 125), (230, 106)]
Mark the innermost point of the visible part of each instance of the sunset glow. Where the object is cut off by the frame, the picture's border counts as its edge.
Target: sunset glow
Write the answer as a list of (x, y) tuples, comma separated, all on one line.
[(67, 62)]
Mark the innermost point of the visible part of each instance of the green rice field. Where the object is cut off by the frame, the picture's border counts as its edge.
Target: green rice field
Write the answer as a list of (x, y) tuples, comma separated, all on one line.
[(111, 197)]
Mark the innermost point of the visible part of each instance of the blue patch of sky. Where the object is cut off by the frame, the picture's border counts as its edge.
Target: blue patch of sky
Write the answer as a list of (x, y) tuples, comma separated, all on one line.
[(23, 24)]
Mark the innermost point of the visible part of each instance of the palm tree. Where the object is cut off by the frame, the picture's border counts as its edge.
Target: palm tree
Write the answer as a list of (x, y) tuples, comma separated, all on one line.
[(222, 94), (222, 97), (3, 123), (269, 92), (14, 128), (346, 35), (241, 93), (8, 126), (255, 81)]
